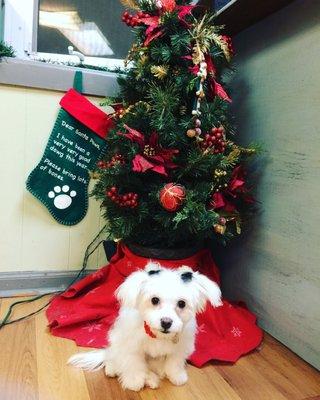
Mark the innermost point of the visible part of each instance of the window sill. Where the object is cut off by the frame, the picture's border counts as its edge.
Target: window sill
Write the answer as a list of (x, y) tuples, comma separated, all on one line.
[(36, 74)]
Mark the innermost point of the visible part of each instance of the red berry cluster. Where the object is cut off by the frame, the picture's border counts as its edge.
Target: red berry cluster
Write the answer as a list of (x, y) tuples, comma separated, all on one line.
[(228, 40), (215, 140), (129, 200), (115, 160), (133, 20)]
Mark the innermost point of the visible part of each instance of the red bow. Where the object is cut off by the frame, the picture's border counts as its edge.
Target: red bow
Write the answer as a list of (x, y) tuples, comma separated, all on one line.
[(154, 158), (153, 31)]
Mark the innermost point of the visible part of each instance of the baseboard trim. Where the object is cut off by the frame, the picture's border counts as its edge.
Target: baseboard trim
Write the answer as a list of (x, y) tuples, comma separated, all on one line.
[(32, 282)]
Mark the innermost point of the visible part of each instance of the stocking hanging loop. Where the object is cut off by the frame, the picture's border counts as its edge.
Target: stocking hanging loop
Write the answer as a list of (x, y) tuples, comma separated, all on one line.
[(78, 81)]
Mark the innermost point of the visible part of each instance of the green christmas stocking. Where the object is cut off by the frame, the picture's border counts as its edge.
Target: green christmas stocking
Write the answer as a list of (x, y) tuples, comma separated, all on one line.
[(77, 141)]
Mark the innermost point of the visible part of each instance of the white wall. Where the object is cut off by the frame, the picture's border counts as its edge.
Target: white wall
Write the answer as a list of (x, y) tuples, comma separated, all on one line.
[(30, 238), (275, 268)]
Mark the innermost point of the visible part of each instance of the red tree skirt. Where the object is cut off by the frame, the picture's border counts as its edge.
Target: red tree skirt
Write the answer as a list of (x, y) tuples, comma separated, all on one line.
[(87, 310)]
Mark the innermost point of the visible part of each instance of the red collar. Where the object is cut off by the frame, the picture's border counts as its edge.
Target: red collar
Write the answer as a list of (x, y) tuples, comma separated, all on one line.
[(148, 330)]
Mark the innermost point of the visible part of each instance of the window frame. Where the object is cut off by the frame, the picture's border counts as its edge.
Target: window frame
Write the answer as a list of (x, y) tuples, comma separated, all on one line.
[(24, 70), (1, 18), (21, 32)]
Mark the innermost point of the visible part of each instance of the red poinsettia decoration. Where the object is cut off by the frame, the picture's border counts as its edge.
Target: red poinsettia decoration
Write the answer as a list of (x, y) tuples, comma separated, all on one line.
[(154, 29), (153, 157), (236, 188)]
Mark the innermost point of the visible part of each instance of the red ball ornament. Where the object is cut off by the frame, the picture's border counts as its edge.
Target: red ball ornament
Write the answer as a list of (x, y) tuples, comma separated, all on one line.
[(172, 196)]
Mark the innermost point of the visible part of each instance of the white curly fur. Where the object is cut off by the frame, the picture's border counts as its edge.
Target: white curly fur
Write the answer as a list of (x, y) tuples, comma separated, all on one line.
[(137, 359)]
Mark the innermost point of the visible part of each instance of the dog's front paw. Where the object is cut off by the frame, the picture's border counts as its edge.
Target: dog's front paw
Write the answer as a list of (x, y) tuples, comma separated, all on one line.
[(178, 377), (109, 370), (152, 380), (135, 382)]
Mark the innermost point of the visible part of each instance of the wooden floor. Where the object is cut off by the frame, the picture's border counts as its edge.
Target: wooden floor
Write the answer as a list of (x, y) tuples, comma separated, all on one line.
[(33, 366)]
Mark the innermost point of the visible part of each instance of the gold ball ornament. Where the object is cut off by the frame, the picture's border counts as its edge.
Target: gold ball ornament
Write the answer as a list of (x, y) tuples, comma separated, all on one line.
[(220, 229), (191, 133)]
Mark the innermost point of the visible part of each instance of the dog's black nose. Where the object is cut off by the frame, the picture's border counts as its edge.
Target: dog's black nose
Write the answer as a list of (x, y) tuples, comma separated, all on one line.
[(166, 323)]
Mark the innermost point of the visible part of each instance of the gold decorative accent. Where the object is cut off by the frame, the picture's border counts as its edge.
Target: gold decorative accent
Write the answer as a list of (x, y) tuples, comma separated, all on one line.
[(130, 108), (219, 228), (238, 227), (130, 4), (223, 45), (204, 33), (183, 110), (149, 151), (233, 156), (159, 71), (219, 173), (143, 59), (134, 48)]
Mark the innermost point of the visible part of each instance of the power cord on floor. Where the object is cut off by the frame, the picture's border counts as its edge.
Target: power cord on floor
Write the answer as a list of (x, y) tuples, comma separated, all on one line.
[(92, 247)]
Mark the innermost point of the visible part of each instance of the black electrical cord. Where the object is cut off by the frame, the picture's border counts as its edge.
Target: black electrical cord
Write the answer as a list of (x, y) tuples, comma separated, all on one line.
[(6, 320)]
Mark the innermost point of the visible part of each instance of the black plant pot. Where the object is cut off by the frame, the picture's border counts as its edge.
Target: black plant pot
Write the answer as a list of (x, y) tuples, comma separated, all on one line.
[(154, 252), (162, 253)]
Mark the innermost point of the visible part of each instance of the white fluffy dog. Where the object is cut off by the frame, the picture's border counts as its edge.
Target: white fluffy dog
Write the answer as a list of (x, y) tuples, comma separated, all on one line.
[(155, 331)]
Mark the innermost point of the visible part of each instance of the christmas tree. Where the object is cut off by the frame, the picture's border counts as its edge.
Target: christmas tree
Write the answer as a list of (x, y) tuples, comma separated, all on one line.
[(173, 174)]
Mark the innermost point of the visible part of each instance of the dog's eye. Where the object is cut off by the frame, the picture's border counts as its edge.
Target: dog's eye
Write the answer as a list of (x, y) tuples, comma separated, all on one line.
[(155, 300), (181, 304)]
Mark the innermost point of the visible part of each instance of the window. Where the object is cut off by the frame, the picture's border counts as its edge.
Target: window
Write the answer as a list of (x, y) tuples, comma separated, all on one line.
[(46, 28), (220, 4)]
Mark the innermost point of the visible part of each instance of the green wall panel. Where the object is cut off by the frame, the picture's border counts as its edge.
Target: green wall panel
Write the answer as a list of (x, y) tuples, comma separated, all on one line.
[(276, 94)]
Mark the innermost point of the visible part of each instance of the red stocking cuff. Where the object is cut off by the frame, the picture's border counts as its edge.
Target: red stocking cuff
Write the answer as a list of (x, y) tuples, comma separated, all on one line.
[(87, 113)]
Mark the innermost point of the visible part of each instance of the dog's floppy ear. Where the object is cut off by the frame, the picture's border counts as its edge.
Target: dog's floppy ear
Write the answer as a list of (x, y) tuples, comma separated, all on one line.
[(128, 292), (186, 273), (208, 290), (152, 268)]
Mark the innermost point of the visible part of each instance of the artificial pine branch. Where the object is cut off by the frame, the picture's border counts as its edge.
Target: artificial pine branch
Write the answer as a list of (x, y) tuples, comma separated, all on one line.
[(6, 50)]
